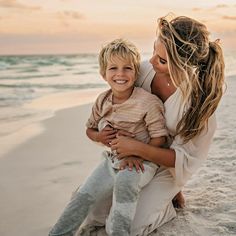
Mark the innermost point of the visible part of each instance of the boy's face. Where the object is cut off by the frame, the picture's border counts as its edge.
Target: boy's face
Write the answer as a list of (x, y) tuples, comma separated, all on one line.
[(120, 75)]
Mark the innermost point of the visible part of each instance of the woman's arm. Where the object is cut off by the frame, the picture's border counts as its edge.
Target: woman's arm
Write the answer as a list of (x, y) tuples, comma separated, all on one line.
[(126, 146), (186, 158)]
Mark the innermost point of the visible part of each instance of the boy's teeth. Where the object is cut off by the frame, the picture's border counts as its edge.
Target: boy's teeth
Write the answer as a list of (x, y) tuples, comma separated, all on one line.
[(120, 81)]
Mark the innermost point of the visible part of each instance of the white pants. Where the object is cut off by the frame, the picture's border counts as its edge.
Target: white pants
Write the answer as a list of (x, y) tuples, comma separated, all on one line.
[(123, 186), (154, 207)]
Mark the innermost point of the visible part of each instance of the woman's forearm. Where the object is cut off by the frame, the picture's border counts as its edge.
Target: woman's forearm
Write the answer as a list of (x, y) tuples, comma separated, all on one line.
[(126, 146), (157, 155)]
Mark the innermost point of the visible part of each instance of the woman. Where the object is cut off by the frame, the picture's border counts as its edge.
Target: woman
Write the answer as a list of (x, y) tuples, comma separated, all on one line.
[(187, 72)]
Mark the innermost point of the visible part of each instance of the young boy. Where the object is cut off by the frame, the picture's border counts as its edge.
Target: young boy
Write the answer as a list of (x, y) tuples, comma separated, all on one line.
[(123, 107)]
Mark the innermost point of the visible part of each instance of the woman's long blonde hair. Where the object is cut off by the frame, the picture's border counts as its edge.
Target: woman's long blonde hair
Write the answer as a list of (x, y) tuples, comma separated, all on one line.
[(196, 66)]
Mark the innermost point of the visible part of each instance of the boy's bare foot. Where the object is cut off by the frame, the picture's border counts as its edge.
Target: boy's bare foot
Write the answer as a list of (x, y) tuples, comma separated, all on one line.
[(179, 200)]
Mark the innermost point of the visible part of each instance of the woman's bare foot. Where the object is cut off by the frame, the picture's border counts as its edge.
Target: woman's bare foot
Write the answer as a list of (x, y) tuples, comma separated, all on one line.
[(179, 200)]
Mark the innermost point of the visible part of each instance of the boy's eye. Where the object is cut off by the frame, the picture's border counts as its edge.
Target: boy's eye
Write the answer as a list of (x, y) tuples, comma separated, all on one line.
[(112, 68), (129, 68)]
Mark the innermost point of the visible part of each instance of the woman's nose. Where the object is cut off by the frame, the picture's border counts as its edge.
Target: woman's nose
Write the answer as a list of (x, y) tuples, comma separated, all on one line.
[(154, 59), (151, 60)]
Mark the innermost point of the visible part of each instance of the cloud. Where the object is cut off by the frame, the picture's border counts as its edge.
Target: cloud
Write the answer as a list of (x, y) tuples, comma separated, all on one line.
[(222, 6), (66, 17), (197, 9), (229, 17), (73, 14), (15, 4), (219, 6)]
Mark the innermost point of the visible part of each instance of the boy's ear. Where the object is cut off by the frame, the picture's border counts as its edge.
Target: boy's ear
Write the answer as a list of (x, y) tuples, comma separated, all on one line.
[(104, 77)]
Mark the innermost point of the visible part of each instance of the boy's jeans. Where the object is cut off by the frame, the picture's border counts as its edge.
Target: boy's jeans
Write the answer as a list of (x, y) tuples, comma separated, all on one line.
[(123, 185)]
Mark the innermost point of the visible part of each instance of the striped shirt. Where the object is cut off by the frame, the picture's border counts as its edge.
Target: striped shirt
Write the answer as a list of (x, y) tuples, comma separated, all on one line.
[(142, 114)]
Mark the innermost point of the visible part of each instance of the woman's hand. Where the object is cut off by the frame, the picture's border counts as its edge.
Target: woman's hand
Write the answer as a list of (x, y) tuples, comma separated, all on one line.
[(124, 146), (131, 162)]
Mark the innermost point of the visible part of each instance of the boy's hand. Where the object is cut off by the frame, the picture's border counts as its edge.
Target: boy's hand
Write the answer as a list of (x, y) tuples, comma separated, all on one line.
[(106, 135), (132, 162)]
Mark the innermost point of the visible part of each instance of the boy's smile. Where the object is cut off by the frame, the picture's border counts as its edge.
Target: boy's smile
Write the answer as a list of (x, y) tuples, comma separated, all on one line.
[(119, 81)]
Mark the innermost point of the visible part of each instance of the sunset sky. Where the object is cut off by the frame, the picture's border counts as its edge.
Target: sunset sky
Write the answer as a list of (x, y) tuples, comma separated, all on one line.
[(80, 26)]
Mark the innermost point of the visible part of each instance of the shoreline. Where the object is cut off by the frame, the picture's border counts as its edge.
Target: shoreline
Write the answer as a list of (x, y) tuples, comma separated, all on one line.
[(39, 176), (48, 105)]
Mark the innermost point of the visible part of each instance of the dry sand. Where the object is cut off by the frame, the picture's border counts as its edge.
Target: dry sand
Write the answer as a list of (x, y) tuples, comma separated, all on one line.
[(38, 177)]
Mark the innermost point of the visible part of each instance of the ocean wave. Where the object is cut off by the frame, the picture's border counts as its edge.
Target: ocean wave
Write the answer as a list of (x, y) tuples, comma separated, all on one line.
[(54, 86), (47, 60), (26, 77), (28, 70), (82, 73)]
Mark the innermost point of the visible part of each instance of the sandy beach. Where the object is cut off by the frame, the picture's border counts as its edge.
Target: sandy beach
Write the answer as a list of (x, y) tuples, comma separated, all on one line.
[(39, 176)]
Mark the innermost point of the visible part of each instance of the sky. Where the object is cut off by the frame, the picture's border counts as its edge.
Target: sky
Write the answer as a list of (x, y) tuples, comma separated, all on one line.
[(83, 26)]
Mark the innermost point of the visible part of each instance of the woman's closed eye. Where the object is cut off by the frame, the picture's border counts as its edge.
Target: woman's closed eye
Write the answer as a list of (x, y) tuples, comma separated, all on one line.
[(162, 61)]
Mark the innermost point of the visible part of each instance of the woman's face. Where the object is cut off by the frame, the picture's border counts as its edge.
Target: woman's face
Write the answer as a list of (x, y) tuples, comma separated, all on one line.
[(159, 58)]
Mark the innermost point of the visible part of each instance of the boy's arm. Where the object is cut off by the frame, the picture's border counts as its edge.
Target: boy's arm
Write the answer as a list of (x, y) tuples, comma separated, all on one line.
[(93, 134)]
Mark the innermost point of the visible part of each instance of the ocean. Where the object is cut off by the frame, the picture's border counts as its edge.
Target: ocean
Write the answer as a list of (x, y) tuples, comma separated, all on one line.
[(26, 78)]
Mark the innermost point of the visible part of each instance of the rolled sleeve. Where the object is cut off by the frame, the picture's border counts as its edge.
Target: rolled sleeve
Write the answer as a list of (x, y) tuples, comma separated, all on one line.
[(94, 118), (91, 124), (155, 120), (97, 111)]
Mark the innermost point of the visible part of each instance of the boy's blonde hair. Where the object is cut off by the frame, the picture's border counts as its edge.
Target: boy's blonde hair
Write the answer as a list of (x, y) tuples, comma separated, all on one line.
[(122, 49)]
